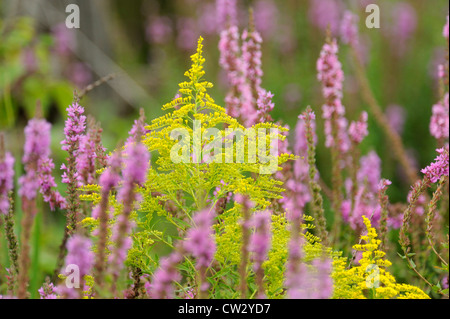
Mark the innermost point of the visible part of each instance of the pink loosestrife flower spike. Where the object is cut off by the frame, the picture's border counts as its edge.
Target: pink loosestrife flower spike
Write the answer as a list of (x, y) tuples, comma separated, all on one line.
[(439, 167), (6, 181), (200, 239)]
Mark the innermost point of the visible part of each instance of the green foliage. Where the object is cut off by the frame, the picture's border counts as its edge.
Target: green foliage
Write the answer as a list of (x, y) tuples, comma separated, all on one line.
[(22, 82)]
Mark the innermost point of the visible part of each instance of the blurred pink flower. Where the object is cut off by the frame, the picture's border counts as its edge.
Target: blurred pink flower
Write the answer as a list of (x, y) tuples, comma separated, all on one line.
[(226, 14), (439, 124), (349, 28), (200, 240), (62, 39), (265, 13), (80, 74), (187, 33), (324, 13), (396, 116), (6, 180), (207, 19), (159, 29), (445, 30), (402, 25)]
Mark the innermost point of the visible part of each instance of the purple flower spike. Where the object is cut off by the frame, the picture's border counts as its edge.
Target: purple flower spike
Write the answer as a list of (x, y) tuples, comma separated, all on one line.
[(200, 240), (260, 240), (167, 273), (6, 180), (331, 75), (79, 253), (36, 147), (358, 130), (74, 127), (439, 167), (439, 124)]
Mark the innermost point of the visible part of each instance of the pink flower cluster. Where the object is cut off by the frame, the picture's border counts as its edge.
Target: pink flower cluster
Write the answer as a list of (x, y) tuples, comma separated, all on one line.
[(134, 173), (79, 254), (38, 165), (200, 241), (48, 291), (265, 105), (111, 176), (349, 28), (314, 281), (251, 57), (330, 71), (246, 99), (439, 167), (358, 130), (135, 170), (85, 163), (305, 281), (297, 186), (48, 185), (226, 13), (439, 124), (159, 29), (402, 26), (6, 180), (137, 131), (37, 140), (229, 55), (74, 129), (325, 13), (331, 75), (161, 286), (445, 30), (260, 240), (230, 61), (367, 189)]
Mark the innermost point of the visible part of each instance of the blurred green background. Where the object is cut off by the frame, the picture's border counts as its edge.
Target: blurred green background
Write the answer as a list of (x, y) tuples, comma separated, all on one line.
[(147, 45)]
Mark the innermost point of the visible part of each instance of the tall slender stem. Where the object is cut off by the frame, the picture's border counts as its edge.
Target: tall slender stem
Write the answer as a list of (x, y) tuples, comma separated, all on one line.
[(393, 137)]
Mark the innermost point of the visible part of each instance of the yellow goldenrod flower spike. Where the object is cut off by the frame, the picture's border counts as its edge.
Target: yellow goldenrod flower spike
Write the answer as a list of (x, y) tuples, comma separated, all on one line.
[(371, 274)]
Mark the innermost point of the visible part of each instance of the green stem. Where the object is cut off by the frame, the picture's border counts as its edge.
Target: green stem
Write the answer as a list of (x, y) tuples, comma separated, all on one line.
[(34, 280)]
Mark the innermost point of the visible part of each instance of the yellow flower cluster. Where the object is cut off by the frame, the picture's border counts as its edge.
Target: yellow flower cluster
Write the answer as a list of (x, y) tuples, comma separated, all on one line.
[(186, 187), (370, 279)]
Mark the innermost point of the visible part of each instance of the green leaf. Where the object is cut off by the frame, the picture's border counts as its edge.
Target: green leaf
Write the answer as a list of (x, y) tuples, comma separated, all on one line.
[(62, 93), (401, 256), (436, 288)]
